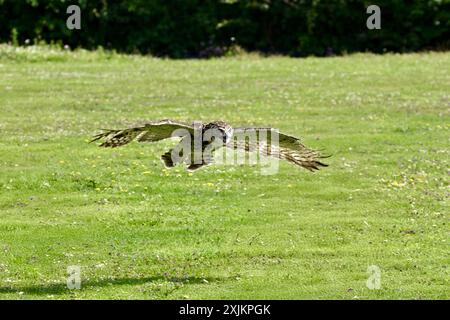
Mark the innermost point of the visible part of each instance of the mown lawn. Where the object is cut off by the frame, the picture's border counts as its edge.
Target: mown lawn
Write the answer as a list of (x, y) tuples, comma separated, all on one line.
[(138, 231)]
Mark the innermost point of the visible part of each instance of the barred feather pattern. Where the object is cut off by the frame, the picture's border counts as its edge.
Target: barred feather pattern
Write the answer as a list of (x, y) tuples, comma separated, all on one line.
[(288, 148), (260, 140), (117, 138), (147, 132)]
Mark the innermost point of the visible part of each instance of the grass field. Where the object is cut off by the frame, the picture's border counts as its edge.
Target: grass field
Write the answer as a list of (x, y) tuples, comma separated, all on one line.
[(138, 231)]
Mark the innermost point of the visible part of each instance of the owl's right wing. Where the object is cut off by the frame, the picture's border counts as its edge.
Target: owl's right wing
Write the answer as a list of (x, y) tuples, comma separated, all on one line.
[(147, 132)]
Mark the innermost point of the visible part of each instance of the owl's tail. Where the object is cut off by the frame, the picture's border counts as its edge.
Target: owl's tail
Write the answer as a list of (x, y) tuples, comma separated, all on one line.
[(170, 162), (195, 166), (167, 159)]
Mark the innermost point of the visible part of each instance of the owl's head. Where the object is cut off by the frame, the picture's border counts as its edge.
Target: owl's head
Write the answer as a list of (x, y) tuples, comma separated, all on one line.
[(223, 129)]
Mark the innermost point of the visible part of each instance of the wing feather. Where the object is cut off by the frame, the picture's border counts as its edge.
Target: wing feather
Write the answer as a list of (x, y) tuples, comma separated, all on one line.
[(288, 148), (147, 132)]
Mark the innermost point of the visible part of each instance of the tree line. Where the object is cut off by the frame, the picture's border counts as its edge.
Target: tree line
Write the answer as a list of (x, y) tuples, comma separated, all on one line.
[(203, 28)]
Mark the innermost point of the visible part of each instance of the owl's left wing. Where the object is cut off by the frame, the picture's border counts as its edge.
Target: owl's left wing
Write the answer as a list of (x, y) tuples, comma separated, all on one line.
[(270, 142)]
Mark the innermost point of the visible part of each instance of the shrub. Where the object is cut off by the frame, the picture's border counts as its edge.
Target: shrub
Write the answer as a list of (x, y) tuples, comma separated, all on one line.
[(190, 28)]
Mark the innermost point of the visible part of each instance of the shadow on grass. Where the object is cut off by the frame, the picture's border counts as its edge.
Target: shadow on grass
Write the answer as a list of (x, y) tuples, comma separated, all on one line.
[(61, 288)]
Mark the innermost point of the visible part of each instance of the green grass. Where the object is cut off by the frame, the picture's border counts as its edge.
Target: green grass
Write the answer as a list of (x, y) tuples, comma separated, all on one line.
[(142, 232)]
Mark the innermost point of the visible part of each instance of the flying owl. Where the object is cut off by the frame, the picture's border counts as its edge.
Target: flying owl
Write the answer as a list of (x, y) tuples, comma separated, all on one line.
[(210, 137)]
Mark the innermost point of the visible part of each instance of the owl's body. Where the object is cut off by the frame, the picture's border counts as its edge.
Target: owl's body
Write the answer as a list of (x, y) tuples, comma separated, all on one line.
[(199, 141), (221, 130)]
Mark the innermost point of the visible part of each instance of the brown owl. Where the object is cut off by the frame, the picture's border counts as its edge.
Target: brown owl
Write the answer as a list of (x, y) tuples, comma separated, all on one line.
[(210, 137)]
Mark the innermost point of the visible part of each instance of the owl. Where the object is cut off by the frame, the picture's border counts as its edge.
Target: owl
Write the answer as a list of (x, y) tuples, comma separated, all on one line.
[(198, 142)]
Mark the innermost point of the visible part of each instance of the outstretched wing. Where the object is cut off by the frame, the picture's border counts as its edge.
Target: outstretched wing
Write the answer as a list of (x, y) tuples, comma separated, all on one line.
[(149, 131), (270, 142)]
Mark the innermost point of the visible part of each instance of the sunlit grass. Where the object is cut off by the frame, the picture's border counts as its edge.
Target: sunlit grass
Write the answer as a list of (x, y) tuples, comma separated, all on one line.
[(140, 231)]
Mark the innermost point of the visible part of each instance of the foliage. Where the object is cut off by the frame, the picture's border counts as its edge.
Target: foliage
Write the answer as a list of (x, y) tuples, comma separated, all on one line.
[(189, 28)]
